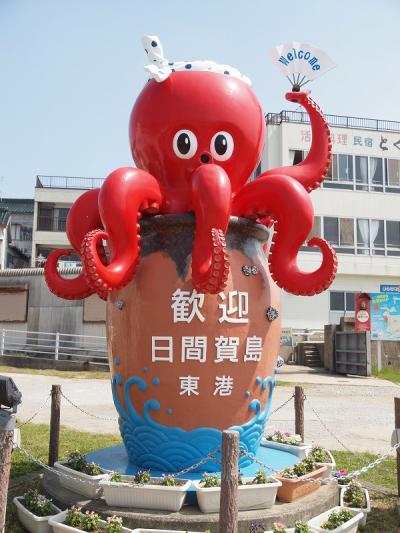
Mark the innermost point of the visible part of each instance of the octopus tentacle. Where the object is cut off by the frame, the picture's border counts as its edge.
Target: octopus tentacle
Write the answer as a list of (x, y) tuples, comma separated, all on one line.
[(82, 217), (69, 289), (211, 193), (288, 203), (312, 171), (125, 193)]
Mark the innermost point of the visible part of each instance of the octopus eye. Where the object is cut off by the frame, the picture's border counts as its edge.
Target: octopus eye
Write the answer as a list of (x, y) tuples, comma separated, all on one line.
[(222, 146), (184, 144)]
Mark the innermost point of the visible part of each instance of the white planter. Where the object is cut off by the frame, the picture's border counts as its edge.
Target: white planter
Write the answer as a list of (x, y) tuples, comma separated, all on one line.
[(141, 530), (31, 522), (56, 523), (79, 482), (364, 510), (249, 496), (349, 527), (288, 530), (330, 465), (300, 451), (146, 496)]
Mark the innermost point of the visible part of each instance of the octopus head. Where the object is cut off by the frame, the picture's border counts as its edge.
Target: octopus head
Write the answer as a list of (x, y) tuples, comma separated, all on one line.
[(196, 118)]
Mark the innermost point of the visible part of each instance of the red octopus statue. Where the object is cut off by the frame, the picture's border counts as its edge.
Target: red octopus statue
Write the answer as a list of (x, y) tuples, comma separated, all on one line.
[(196, 137)]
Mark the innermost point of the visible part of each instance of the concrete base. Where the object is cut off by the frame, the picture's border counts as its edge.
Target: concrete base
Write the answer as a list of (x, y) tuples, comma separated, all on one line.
[(42, 363), (191, 518)]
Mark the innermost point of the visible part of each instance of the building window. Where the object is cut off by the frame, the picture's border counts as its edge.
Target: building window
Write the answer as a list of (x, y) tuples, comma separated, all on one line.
[(340, 232), (376, 173), (392, 237), (342, 301), (315, 232), (361, 172), (340, 172), (52, 218), (370, 237), (297, 156), (392, 181)]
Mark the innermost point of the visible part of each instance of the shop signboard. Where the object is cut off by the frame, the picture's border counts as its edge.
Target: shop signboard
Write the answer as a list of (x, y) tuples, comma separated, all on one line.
[(385, 316)]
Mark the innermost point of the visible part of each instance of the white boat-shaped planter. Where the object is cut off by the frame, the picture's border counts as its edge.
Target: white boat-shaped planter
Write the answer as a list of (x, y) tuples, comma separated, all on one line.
[(330, 465), (57, 523), (287, 529), (79, 482), (31, 522), (363, 510), (349, 527), (300, 451), (250, 497), (141, 530), (145, 496)]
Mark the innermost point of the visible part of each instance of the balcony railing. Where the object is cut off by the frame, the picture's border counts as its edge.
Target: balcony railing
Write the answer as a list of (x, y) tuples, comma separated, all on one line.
[(51, 223), (68, 182), (334, 120)]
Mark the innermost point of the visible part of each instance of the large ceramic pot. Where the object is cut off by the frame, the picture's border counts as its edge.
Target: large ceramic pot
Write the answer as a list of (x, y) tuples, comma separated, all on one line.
[(186, 366)]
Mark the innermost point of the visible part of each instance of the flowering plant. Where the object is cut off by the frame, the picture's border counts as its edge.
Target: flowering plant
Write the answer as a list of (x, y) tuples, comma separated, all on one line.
[(77, 461), (305, 466), (37, 504), (256, 528), (342, 476), (354, 495), (284, 438), (319, 454), (337, 519)]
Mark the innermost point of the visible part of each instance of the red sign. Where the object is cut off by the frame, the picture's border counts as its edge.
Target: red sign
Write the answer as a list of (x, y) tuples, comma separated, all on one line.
[(363, 311)]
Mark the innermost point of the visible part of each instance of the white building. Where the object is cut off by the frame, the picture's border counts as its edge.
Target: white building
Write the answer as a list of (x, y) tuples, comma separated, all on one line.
[(357, 209), (54, 196)]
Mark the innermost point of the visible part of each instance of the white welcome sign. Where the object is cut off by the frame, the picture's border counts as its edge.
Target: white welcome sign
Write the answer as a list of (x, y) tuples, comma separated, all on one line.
[(301, 62)]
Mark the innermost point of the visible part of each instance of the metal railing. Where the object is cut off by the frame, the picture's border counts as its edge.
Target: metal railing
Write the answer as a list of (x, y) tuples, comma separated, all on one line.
[(57, 346), (334, 120), (68, 182), (49, 223)]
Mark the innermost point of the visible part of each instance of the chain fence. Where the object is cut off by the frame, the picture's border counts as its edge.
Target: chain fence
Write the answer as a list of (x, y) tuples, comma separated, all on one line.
[(281, 405), (36, 413), (92, 415), (215, 454)]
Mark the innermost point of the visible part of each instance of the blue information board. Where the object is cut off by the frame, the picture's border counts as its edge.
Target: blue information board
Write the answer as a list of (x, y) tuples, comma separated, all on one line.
[(385, 316)]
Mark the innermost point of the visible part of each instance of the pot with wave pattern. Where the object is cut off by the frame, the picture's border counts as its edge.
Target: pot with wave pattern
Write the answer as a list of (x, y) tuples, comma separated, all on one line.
[(186, 365)]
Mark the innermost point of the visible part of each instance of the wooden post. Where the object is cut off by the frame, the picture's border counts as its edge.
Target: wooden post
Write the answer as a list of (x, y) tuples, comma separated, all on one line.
[(6, 444), (299, 411), (397, 426), (54, 424), (228, 507)]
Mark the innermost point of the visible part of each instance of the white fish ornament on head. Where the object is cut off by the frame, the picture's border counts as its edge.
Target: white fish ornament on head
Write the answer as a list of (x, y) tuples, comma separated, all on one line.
[(301, 62)]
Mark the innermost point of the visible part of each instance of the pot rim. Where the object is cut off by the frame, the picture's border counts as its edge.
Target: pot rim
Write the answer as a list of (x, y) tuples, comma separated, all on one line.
[(253, 229)]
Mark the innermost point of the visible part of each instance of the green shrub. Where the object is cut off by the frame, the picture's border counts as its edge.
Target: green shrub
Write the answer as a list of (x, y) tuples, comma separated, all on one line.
[(337, 519)]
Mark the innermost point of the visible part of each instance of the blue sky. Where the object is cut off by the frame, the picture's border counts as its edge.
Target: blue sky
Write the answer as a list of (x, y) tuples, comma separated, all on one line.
[(71, 69)]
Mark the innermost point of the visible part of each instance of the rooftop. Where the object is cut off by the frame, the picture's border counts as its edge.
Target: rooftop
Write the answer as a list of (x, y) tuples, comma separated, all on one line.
[(335, 120), (18, 205), (68, 182)]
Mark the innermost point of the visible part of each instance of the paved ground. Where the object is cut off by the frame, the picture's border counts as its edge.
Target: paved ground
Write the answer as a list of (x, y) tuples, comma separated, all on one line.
[(359, 411)]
